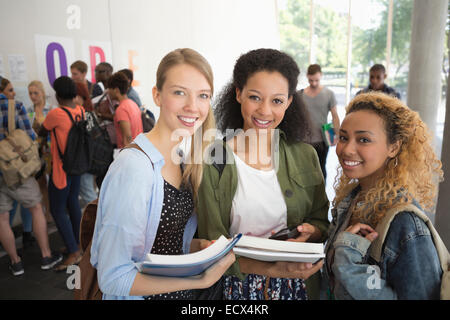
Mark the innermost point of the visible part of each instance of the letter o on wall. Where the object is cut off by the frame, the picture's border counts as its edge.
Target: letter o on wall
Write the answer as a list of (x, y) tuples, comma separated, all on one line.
[(51, 72)]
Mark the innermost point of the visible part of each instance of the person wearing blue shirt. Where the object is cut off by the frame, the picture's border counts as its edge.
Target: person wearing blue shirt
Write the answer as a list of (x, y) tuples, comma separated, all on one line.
[(147, 198)]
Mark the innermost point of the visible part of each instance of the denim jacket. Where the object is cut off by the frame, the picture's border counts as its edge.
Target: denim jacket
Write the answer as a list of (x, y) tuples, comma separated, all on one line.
[(409, 267)]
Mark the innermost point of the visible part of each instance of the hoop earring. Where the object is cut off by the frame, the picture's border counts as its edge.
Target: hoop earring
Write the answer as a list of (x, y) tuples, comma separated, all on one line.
[(395, 162)]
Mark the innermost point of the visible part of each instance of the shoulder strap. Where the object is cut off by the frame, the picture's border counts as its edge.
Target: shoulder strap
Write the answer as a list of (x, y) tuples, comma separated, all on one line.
[(54, 130), (11, 116), (135, 146), (383, 227), (220, 159), (219, 164), (70, 114)]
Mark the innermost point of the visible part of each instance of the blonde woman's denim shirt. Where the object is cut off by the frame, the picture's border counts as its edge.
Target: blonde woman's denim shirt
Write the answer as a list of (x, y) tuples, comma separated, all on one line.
[(128, 215), (409, 263)]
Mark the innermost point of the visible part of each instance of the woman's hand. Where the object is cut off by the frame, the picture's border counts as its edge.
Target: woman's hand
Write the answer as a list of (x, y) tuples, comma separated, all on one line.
[(363, 230), (307, 232), (213, 273), (199, 244), (300, 270)]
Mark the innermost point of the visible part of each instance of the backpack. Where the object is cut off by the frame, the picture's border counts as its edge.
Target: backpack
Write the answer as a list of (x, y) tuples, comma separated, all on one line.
[(105, 105), (77, 156), (19, 154), (102, 149), (89, 288), (148, 120), (444, 256)]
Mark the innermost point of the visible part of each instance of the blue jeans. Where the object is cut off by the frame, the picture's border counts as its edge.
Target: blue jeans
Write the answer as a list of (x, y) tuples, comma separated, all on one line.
[(27, 221), (60, 199), (87, 190)]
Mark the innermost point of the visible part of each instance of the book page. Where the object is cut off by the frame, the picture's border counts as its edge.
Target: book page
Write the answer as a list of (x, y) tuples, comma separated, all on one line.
[(273, 256), (218, 246), (278, 245)]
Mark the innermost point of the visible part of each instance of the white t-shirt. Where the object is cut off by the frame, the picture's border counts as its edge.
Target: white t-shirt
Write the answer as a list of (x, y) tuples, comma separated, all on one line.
[(258, 206)]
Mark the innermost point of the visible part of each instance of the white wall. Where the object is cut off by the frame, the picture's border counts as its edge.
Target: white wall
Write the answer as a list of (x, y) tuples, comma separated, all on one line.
[(144, 30)]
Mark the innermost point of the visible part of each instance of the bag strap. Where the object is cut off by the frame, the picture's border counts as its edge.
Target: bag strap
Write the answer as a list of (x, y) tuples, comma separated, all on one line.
[(11, 116), (383, 227), (220, 162), (73, 122), (70, 114), (135, 146)]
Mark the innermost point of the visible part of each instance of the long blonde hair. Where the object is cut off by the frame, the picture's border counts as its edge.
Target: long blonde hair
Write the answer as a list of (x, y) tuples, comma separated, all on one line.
[(40, 86), (193, 172), (413, 174)]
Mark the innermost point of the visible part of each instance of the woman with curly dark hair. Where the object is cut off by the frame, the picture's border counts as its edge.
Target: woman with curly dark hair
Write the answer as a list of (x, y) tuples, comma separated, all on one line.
[(270, 180)]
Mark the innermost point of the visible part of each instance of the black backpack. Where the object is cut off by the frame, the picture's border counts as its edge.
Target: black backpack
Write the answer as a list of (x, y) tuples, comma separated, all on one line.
[(148, 120), (102, 149), (77, 156)]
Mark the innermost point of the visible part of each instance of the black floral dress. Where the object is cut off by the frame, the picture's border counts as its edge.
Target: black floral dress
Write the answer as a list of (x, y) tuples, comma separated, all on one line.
[(177, 208)]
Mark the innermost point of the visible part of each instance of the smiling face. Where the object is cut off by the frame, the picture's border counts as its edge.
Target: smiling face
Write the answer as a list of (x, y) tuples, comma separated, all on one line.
[(264, 100), (363, 149), (184, 99)]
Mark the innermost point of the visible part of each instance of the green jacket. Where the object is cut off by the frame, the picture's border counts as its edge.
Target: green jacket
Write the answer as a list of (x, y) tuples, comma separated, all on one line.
[(302, 185)]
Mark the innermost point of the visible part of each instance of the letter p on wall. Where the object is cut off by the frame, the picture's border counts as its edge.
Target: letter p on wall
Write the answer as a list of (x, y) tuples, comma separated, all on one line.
[(95, 52)]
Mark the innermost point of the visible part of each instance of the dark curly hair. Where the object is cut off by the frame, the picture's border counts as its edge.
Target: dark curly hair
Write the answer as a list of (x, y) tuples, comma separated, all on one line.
[(65, 88), (296, 121), (120, 81)]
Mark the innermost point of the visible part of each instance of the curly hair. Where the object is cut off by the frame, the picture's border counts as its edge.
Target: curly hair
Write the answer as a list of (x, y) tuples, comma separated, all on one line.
[(415, 172), (296, 121)]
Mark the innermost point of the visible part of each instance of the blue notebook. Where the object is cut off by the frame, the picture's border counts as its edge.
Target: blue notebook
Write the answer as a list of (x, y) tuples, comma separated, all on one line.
[(187, 265)]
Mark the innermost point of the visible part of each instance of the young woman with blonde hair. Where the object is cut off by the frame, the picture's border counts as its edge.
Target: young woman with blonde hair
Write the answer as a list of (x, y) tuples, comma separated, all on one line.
[(387, 161), (147, 198), (41, 107)]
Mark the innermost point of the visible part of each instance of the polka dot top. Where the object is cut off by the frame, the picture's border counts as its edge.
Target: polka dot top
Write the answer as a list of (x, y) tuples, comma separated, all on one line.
[(177, 208)]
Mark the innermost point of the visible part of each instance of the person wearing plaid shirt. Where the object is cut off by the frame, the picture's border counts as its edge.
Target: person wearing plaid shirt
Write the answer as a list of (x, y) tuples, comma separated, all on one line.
[(27, 194), (22, 120)]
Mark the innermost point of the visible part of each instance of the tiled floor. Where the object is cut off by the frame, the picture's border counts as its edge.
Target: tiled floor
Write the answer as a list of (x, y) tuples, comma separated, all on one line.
[(34, 284)]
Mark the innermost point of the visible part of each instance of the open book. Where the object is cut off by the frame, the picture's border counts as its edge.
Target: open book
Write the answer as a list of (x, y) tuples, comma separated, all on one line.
[(277, 250), (186, 265)]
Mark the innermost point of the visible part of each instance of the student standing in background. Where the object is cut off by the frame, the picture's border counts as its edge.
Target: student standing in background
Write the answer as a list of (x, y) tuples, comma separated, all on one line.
[(320, 101), (127, 117), (64, 189)]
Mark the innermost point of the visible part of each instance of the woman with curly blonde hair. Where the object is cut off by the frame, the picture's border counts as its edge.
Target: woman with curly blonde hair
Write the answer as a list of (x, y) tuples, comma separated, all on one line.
[(387, 161)]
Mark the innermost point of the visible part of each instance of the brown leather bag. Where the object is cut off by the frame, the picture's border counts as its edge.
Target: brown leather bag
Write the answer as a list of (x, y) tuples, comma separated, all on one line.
[(89, 289)]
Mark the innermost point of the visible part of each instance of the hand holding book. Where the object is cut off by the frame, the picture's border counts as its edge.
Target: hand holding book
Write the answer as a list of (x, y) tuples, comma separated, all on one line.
[(191, 264), (308, 232)]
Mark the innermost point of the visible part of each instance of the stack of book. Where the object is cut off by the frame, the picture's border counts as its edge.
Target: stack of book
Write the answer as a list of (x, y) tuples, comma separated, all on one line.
[(192, 264), (276, 250)]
